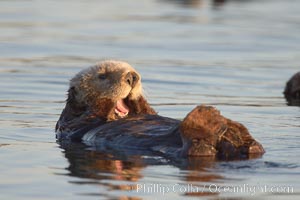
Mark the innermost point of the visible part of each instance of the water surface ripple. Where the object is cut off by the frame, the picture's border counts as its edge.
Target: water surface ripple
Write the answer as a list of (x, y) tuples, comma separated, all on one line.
[(235, 55)]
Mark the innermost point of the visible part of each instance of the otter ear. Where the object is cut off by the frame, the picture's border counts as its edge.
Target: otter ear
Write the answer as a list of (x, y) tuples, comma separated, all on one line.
[(72, 106), (140, 106), (71, 95), (71, 111)]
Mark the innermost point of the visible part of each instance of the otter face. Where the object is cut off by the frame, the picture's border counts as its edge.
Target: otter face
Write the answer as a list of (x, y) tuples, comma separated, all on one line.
[(110, 90)]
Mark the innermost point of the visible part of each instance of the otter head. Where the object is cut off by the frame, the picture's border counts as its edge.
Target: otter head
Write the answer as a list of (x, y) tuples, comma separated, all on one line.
[(109, 90), (292, 90)]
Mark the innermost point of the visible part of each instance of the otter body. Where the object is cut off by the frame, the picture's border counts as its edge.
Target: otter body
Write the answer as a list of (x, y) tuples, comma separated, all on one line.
[(144, 133), (106, 109), (170, 137)]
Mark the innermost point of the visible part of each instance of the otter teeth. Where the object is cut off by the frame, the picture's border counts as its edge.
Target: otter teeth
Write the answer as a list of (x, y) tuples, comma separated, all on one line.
[(121, 114)]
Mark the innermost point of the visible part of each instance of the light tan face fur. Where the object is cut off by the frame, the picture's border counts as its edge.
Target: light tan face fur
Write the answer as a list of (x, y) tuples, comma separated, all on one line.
[(106, 80)]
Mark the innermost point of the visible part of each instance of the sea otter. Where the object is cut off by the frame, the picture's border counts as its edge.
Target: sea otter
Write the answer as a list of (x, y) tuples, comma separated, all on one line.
[(292, 90), (106, 108)]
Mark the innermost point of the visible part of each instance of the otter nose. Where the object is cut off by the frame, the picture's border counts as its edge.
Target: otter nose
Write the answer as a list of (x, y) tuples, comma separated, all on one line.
[(132, 78)]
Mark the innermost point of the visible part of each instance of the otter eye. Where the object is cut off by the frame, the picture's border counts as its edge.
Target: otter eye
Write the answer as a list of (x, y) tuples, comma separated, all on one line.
[(102, 76)]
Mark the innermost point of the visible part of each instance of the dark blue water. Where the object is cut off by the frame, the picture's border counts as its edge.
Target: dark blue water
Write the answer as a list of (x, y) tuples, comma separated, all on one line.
[(235, 55)]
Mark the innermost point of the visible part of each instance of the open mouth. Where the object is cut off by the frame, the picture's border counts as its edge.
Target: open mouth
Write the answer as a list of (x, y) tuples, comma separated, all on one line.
[(121, 109)]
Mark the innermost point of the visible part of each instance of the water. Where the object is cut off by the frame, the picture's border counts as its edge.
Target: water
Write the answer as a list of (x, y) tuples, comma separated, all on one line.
[(235, 55)]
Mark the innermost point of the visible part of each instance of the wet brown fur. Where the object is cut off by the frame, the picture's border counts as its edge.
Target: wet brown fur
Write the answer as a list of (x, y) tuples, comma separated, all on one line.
[(203, 132), (212, 134)]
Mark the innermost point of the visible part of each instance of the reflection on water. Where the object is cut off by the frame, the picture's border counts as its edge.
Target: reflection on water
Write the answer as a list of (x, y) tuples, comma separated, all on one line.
[(126, 171), (191, 3), (198, 3), (233, 54), (198, 176)]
